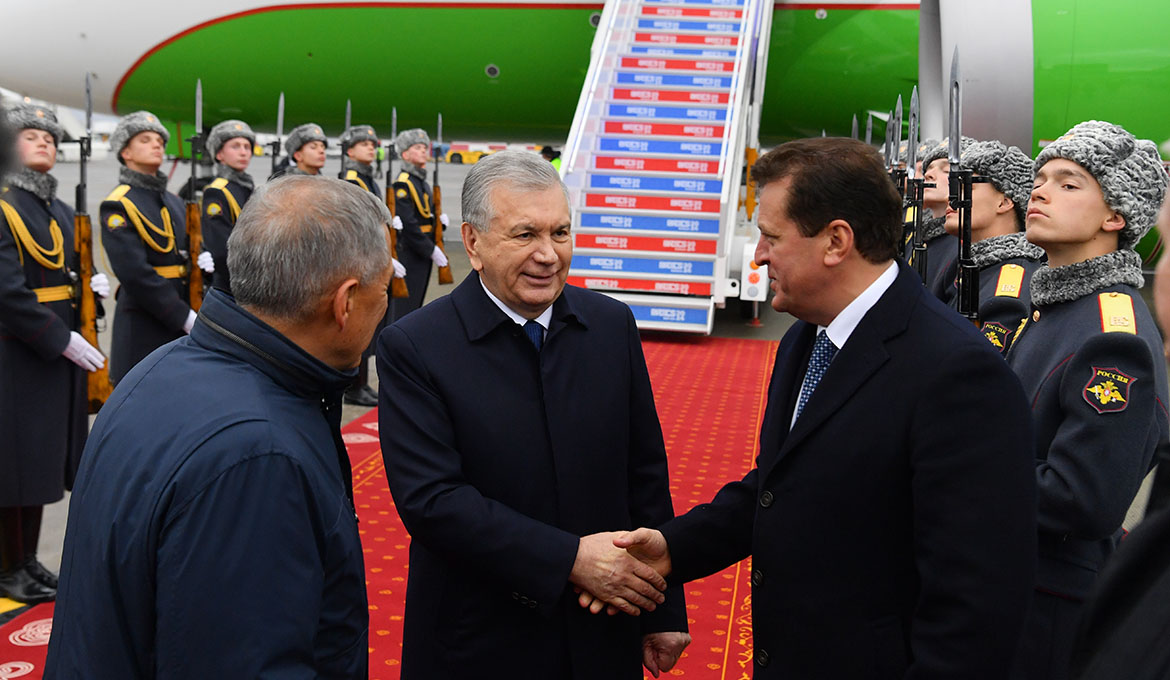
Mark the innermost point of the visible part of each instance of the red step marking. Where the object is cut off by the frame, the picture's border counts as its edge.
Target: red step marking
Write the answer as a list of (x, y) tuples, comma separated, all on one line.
[(692, 12), (673, 39), (680, 204), (657, 64), (655, 164), (645, 95), (651, 285), (668, 129), (656, 244)]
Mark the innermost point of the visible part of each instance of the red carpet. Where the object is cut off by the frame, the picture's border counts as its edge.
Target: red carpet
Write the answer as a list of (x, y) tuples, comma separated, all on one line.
[(710, 394)]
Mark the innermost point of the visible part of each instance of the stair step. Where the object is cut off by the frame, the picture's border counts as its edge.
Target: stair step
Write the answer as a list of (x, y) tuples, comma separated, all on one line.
[(648, 244), (721, 82), (649, 223), (691, 3), (684, 185), (720, 26), (644, 202), (667, 286), (702, 12), (660, 146), (655, 95), (657, 38), (692, 65), (675, 165), (617, 264), (641, 111)]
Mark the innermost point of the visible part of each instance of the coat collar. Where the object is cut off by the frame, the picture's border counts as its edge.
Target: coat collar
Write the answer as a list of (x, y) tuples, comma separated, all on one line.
[(854, 364), (480, 316), (226, 327)]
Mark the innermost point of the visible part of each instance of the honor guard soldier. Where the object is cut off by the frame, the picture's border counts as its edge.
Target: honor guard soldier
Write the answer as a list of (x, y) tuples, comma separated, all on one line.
[(413, 201), (144, 235), (942, 249), (230, 143), (1004, 258), (1090, 359), (360, 143), (44, 414), (305, 147)]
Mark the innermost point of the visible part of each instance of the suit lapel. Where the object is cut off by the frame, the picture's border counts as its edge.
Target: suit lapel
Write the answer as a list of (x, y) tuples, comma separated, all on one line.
[(863, 354)]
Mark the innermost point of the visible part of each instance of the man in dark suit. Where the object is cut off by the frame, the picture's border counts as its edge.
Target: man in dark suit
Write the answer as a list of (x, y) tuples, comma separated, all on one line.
[(890, 518), (518, 426)]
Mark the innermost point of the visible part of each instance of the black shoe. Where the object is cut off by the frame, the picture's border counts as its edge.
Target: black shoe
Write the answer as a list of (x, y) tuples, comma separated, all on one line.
[(361, 396), (20, 586), (39, 573)]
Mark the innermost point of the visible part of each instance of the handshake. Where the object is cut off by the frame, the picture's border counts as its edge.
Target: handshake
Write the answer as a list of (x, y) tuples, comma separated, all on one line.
[(621, 571), (624, 571)]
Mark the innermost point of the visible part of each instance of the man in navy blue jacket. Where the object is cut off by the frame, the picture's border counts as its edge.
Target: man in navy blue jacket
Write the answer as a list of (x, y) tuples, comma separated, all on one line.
[(216, 538), (889, 537), (518, 426)]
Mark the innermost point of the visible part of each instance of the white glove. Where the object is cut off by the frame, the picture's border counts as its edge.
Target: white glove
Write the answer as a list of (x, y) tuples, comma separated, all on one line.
[(82, 353), (397, 223), (206, 262), (438, 257), (190, 322), (399, 270), (100, 285), (443, 219)]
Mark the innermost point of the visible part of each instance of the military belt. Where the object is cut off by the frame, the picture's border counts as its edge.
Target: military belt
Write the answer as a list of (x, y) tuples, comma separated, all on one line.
[(172, 271), (54, 293)]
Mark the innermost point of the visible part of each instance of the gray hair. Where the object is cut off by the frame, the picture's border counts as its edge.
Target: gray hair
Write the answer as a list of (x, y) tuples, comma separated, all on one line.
[(299, 236), (517, 169)]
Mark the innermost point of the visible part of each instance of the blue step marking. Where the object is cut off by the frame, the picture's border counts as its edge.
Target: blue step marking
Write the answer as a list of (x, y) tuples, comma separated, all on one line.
[(661, 146), (667, 112), (663, 313), (682, 225), (673, 79), (638, 265), (728, 53), (677, 25), (685, 184)]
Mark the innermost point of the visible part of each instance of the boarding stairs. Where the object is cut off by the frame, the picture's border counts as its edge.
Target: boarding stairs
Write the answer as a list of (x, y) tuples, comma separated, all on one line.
[(656, 153)]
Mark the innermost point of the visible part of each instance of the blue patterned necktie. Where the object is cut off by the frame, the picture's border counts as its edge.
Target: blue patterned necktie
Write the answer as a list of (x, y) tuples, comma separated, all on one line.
[(822, 355), (535, 333)]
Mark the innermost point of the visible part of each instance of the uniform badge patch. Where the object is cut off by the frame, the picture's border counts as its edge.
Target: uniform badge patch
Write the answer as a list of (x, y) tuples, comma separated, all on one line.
[(401, 193), (996, 333), (213, 209), (116, 221), (1108, 390)]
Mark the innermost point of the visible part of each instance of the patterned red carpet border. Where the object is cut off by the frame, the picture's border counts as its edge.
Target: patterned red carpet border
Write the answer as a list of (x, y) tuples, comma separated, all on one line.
[(710, 394)]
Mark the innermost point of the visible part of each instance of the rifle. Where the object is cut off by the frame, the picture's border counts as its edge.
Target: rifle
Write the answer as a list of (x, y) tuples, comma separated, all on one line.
[(960, 199), (445, 276), (279, 132), (398, 287), (348, 111), (897, 174), (853, 131), (915, 189), (98, 385), (194, 226)]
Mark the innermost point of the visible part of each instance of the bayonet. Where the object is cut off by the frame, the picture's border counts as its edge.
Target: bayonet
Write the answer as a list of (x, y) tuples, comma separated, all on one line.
[(853, 130), (914, 189), (960, 199), (348, 118), (279, 131), (912, 136), (869, 128), (897, 129), (955, 150)]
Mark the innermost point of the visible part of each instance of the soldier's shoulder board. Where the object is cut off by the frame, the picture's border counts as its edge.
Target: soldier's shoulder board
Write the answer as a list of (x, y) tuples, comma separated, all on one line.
[(118, 193), (403, 177), (219, 183), (351, 174), (1117, 313), (1011, 280)]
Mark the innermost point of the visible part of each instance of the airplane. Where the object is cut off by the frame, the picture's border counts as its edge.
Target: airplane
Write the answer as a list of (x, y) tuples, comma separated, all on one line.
[(512, 69)]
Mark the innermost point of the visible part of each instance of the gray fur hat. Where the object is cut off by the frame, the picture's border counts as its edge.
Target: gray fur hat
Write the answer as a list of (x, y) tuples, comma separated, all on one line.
[(942, 150), (31, 116), (1008, 168), (226, 131), (131, 125), (1129, 171), (359, 133), (408, 138), (302, 135)]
